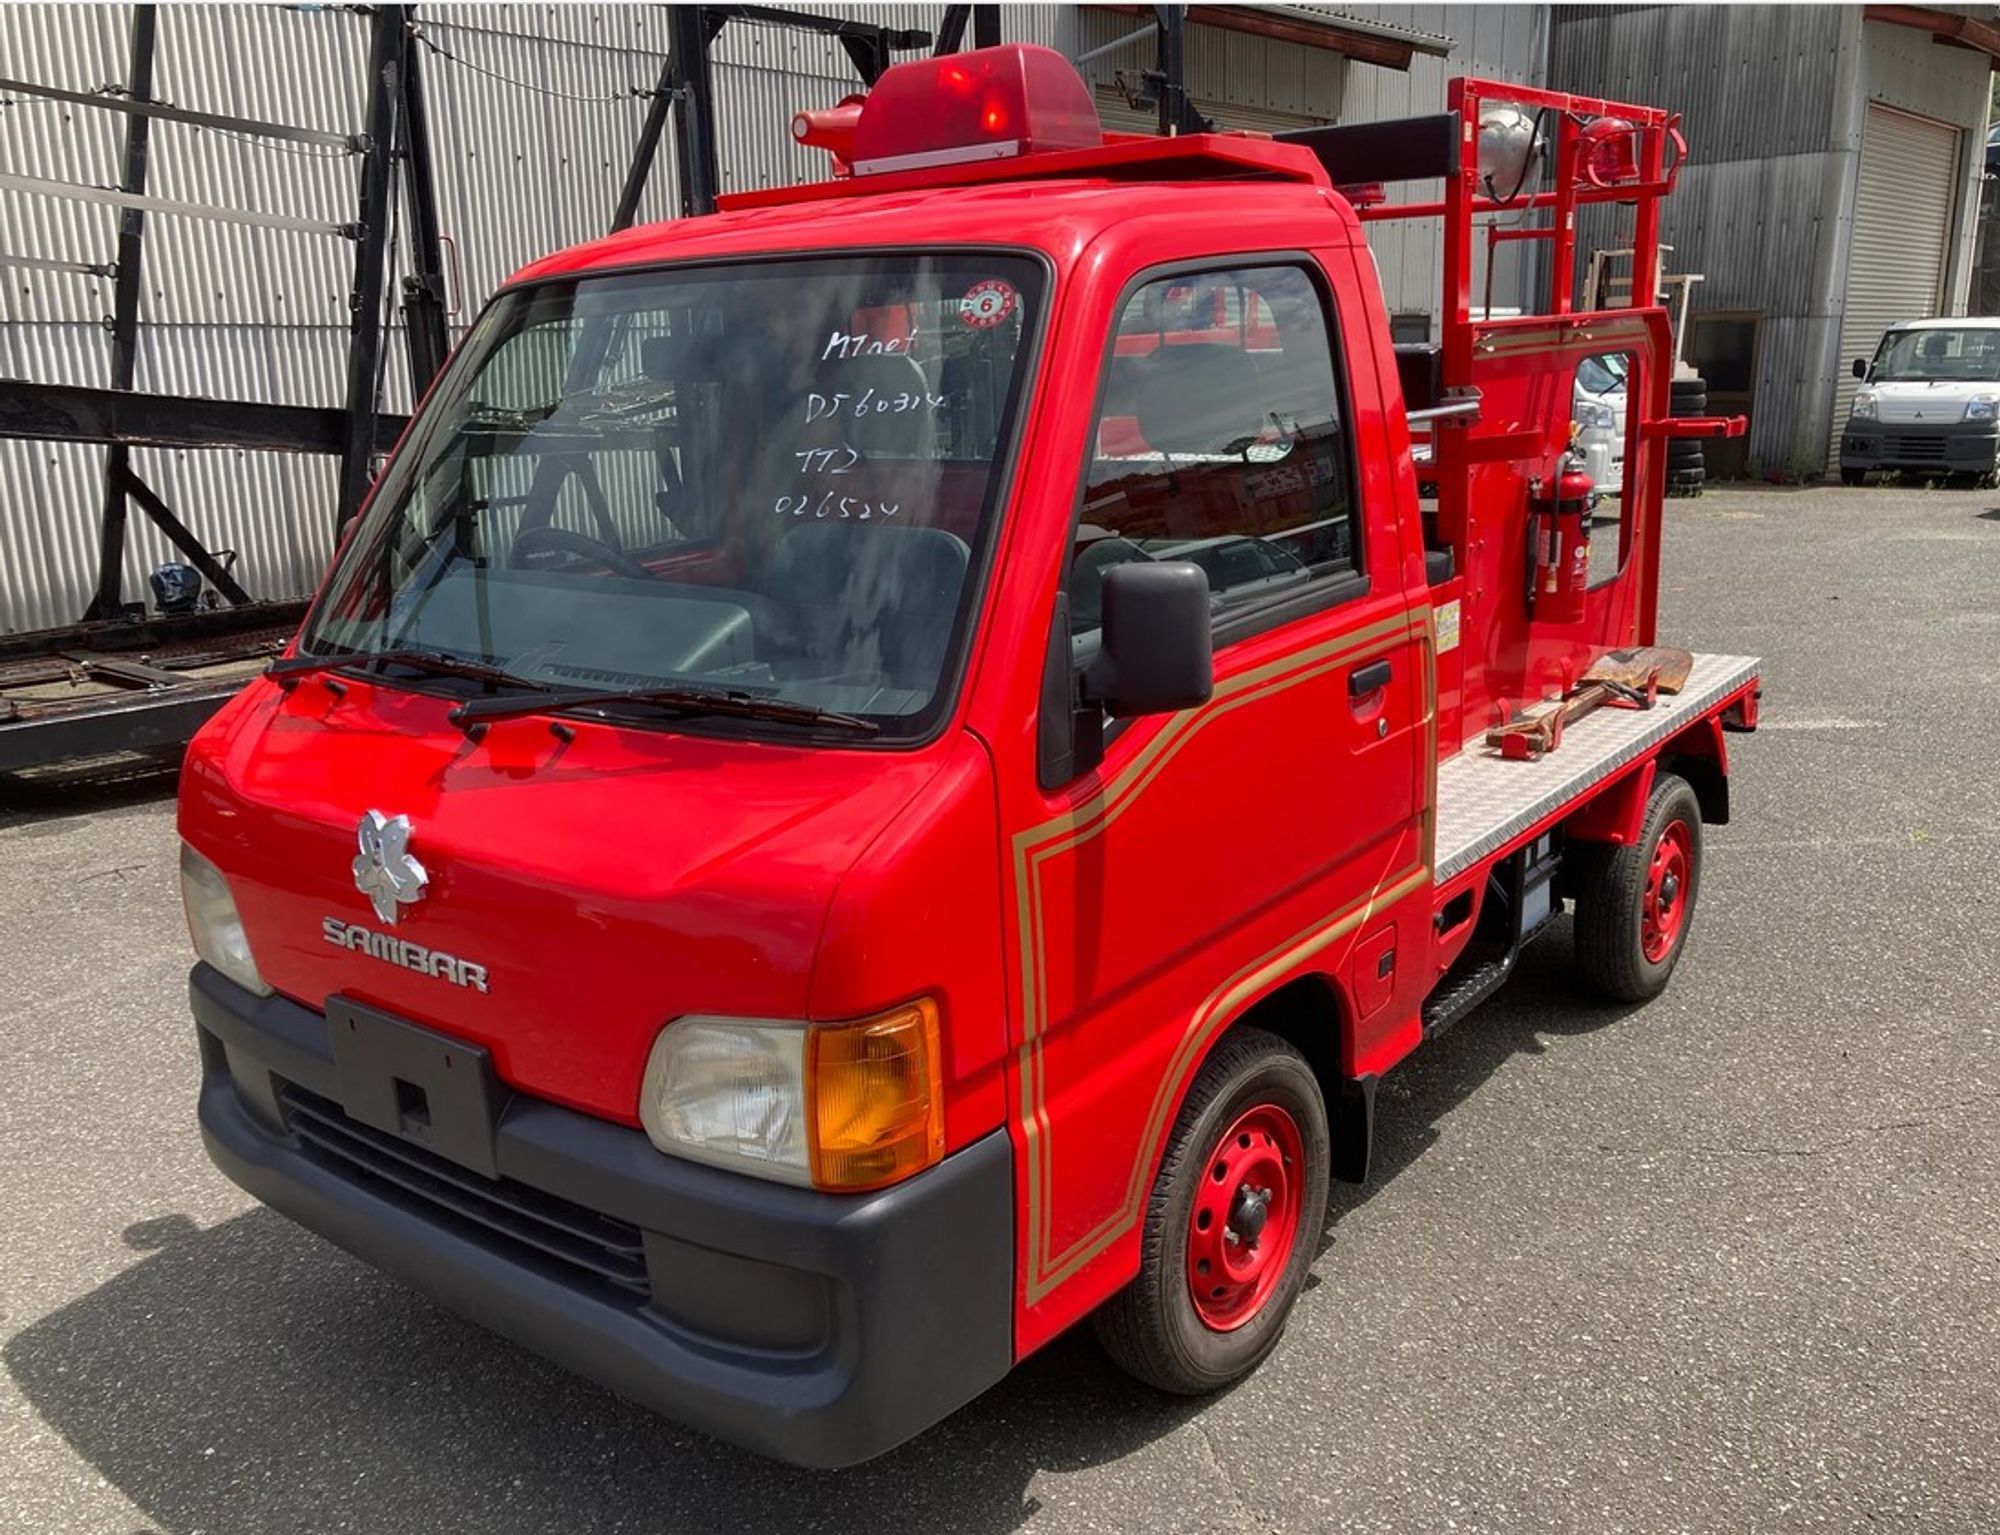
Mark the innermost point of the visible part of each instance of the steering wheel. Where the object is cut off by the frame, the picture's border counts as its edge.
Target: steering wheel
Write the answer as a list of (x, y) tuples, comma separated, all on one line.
[(569, 541)]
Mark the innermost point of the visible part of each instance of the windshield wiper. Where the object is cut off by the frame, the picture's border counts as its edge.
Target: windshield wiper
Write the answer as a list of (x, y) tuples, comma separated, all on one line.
[(753, 706), (436, 662)]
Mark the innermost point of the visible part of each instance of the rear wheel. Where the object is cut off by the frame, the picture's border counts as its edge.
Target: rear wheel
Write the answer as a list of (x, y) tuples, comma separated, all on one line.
[(1232, 1223), (1634, 904)]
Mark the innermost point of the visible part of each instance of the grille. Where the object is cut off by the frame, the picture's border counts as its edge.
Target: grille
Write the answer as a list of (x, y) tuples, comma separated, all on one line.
[(1915, 447), (603, 1252)]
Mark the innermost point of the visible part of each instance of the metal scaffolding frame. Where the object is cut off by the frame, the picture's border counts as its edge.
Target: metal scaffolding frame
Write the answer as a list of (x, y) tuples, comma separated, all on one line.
[(140, 703)]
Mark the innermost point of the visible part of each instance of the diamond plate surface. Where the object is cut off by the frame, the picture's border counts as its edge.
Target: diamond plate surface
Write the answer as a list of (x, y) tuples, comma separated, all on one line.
[(1484, 801)]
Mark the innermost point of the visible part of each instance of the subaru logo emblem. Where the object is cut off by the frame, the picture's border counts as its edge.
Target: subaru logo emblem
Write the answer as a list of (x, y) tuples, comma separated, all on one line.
[(384, 871)]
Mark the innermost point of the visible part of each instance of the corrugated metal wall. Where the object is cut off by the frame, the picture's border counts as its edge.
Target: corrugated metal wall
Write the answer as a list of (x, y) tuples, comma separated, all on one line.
[(1906, 70), (217, 316), (535, 111), (236, 312), (1500, 42), (1237, 80), (1755, 86), (1774, 99)]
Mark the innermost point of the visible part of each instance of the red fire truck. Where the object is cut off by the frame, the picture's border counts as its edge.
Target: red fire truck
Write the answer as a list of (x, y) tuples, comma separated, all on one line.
[(887, 769)]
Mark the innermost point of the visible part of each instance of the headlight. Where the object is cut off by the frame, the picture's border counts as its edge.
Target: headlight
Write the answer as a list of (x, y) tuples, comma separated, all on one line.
[(832, 1105), (1983, 407), (1864, 408), (213, 922), (1592, 416)]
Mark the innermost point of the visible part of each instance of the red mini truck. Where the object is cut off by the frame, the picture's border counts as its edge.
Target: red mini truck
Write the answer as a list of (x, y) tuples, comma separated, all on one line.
[(887, 769)]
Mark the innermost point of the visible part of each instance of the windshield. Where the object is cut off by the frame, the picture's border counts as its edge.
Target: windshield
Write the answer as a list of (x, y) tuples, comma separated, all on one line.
[(774, 479), (1937, 356), (1602, 375)]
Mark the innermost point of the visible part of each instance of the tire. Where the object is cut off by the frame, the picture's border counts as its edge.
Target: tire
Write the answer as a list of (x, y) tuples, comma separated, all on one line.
[(1964, 481), (1688, 389), (1681, 462), (1634, 904), (1853, 476), (1255, 1089)]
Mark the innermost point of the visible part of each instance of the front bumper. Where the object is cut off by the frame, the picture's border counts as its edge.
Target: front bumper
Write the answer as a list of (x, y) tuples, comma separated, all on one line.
[(815, 1328), (1957, 447)]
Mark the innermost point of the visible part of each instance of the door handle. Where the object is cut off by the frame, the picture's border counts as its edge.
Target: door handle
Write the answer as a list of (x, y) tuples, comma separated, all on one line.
[(1364, 680)]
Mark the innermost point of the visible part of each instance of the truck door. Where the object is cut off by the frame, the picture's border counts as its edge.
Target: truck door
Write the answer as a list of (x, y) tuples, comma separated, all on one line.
[(1216, 853)]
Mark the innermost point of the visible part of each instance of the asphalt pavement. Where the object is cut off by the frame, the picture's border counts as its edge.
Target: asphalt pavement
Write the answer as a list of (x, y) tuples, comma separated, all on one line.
[(1729, 1262)]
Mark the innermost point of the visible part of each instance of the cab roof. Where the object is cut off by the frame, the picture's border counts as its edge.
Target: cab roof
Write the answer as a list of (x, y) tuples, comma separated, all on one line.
[(1055, 216), (1950, 322)]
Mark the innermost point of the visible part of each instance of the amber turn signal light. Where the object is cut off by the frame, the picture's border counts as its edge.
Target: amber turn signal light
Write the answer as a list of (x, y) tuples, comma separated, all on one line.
[(875, 1088)]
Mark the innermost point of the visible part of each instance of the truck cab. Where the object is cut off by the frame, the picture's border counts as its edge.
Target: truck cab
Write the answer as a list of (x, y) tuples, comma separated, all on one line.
[(885, 771)]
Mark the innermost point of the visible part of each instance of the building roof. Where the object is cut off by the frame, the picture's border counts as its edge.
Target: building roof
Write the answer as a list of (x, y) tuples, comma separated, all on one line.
[(1435, 43), (1323, 27), (1969, 26)]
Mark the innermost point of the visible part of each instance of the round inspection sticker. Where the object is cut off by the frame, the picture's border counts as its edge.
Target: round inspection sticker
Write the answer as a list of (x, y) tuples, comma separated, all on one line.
[(988, 303)]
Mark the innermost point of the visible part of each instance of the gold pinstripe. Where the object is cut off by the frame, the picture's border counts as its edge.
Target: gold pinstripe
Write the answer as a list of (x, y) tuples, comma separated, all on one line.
[(1036, 845)]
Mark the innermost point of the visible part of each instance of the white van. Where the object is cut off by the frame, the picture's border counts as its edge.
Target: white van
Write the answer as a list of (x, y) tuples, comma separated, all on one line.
[(1929, 402), (1599, 409)]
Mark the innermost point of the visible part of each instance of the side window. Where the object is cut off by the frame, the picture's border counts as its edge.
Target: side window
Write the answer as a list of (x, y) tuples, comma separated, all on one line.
[(1597, 408), (1220, 441)]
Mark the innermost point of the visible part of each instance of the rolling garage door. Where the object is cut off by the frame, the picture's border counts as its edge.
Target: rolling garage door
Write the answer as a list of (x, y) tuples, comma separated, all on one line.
[(1902, 230)]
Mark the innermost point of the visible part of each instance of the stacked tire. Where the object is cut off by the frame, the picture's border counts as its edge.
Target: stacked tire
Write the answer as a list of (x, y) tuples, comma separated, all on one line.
[(1687, 464)]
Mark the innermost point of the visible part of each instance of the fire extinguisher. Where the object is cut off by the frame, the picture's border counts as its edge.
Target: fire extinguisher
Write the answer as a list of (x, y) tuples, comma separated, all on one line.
[(1560, 546)]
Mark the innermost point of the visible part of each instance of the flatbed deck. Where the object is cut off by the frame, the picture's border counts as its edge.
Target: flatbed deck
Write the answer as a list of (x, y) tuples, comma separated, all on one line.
[(1484, 802)]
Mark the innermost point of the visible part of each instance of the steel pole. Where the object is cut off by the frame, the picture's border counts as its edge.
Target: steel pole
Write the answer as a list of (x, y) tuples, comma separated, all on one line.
[(647, 149), (424, 329), (1173, 65), (109, 597), (688, 33), (388, 42)]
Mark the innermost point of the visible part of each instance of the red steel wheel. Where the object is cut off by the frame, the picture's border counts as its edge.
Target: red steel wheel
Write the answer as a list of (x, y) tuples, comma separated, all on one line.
[(1635, 903), (1233, 1223), (1666, 891), (1245, 1217)]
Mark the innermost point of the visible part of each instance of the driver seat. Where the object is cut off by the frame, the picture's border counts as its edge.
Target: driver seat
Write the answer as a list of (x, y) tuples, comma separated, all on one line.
[(871, 598)]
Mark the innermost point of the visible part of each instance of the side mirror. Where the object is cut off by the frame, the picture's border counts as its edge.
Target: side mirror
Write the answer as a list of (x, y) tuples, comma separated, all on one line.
[(1157, 654), (1861, 368)]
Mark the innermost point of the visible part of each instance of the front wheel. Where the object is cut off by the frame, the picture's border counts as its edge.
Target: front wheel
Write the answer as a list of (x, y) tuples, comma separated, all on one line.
[(1232, 1223), (1853, 476), (1634, 904)]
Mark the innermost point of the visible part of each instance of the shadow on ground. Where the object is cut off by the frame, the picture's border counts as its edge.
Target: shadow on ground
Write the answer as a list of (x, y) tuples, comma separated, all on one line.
[(1542, 997), (248, 1377)]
